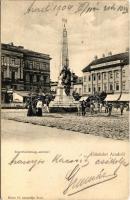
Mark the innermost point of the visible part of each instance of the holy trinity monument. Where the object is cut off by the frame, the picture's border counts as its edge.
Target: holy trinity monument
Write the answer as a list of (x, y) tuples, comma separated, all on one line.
[(64, 101)]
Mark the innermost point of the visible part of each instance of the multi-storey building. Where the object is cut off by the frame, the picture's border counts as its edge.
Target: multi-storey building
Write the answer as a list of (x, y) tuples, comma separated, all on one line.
[(109, 74), (36, 71), (23, 70)]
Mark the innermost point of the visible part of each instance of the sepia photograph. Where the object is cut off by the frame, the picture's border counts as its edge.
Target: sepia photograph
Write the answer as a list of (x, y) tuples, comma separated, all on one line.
[(64, 100)]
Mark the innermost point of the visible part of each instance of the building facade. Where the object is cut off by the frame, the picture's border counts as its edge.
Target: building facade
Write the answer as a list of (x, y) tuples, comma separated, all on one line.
[(109, 74), (78, 86), (23, 70)]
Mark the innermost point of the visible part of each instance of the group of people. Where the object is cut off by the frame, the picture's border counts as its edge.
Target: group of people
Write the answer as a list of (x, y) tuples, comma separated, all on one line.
[(95, 107), (35, 107)]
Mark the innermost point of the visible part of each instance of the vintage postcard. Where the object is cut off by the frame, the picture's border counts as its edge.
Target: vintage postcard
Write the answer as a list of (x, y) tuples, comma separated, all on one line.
[(64, 100)]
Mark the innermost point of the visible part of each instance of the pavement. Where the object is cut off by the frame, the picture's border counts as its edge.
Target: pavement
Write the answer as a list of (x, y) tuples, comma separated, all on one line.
[(115, 126)]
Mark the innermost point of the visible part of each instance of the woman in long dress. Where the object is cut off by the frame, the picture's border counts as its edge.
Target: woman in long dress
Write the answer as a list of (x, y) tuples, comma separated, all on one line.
[(39, 107), (30, 109)]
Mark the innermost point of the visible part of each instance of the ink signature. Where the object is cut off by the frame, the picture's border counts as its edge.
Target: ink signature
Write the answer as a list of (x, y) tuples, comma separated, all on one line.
[(79, 8), (80, 183), (82, 175), (17, 160)]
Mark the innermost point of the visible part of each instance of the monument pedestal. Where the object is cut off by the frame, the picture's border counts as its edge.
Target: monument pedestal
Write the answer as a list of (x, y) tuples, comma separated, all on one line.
[(62, 102)]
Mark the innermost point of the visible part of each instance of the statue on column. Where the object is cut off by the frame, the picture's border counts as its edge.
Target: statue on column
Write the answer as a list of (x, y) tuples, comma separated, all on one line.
[(65, 75)]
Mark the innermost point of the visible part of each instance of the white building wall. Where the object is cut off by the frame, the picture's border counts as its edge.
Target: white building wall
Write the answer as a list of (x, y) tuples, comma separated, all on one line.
[(112, 80)]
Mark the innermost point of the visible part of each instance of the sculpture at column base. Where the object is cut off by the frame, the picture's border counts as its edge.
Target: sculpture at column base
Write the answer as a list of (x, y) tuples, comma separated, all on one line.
[(62, 101)]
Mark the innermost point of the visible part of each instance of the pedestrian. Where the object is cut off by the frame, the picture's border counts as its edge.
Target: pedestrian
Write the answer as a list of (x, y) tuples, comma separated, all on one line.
[(30, 110), (83, 106), (109, 109), (121, 108), (92, 108), (78, 109), (95, 107), (39, 107), (34, 104), (106, 107)]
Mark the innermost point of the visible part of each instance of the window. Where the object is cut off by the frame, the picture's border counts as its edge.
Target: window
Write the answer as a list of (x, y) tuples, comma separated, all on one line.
[(94, 77), (13, 61), (99, 88), (38, 78), (117, 86), (105, 87), (99, 77), (116, 74), (45, 79), (13, 75), (123, 86), (31, 78), (84, 88), (104, 75), (84, 78), (89, 88), (123, 72), (94, 88), (34, 78), (89, 78), (47, 67), (30, 65), (37, 65), (27, 77), (111, 87), (110, 74), (2, 75)]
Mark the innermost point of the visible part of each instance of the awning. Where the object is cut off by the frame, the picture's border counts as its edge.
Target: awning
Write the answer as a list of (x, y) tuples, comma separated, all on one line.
[(125, 97), (112, 97), (23, 93), (17, 98), (83, 98)]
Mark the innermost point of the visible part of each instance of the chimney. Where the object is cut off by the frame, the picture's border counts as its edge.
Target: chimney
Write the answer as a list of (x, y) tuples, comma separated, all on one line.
[(103, 55), (110, 53), (95, 57)]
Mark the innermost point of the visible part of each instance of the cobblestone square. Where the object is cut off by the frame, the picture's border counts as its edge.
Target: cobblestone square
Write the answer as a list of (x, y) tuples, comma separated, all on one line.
[(115, 126)]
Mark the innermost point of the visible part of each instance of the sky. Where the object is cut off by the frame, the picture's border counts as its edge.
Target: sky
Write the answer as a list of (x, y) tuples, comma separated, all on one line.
[(37, 25)]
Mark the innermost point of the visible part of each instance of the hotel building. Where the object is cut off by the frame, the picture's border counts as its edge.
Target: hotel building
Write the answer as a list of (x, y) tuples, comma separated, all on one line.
[(109, 74)]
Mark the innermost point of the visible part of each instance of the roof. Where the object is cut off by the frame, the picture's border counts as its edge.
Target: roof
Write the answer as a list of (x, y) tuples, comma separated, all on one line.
[(123, 57), (26, 52)]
